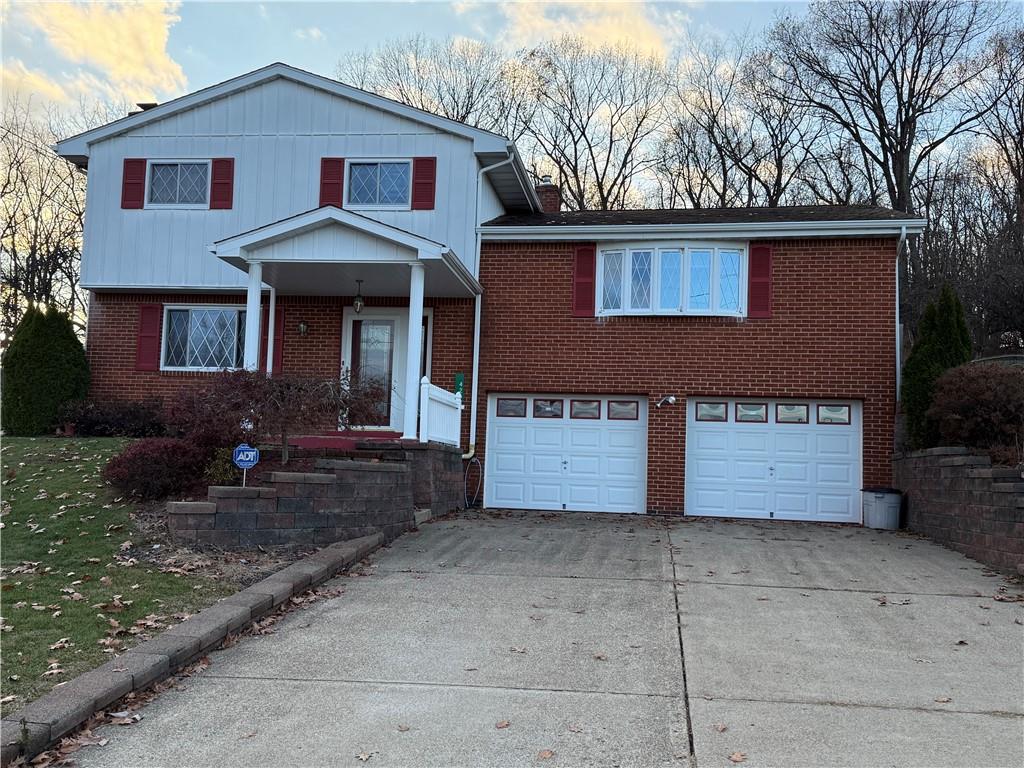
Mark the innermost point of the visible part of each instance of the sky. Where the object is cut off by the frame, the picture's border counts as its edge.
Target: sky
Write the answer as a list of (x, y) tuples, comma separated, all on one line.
[(58, 52)]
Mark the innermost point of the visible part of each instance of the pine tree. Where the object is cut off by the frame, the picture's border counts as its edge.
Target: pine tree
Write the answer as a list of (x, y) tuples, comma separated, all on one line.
[(943, 342), (43, 368)]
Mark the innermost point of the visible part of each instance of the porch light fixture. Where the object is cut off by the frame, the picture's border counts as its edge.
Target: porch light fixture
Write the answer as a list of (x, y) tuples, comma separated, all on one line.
[(667, 400), (357, 302), (303, 327)]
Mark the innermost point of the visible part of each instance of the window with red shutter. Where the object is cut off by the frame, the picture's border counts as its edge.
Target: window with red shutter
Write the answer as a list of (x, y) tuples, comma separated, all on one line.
[(424, 183), (147, 349), (759, 291), (584, 280), (332, 181), (222, 183), (133, 183)]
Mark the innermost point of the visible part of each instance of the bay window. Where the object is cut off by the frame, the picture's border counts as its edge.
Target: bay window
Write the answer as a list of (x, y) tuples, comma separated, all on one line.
[(672, 279)]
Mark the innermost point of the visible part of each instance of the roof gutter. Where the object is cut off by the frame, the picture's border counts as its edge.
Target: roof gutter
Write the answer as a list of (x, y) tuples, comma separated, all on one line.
[(741, 231)]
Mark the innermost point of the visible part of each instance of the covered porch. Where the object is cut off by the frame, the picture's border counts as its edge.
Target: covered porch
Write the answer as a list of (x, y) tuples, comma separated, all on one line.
[(330, 252)]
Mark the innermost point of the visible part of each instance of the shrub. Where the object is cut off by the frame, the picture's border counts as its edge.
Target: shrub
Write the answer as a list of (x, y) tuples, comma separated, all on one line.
[(156, 467), (981, 406), (221, 469), (943, 342), (43, 368), (114, 419), (219, 414)]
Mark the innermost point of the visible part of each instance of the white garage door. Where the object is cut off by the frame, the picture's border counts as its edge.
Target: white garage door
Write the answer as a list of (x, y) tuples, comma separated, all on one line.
[(566, 452), (774, 459)]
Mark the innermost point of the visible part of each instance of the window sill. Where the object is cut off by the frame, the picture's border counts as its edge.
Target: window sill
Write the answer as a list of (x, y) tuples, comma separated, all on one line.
[(198, 370), (351, 207), (630, 313), (189, 207)]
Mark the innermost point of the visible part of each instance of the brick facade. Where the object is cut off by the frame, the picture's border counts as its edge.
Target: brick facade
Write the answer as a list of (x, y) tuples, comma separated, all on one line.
[(114, 321), (831, 334)]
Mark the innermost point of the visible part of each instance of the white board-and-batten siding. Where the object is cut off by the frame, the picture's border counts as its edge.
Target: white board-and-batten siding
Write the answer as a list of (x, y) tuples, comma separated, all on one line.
[(277, 132)]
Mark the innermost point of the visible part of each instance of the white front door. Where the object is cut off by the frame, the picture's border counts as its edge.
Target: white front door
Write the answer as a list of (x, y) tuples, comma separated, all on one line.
[(566, 452), (774, 459), (373, 349)]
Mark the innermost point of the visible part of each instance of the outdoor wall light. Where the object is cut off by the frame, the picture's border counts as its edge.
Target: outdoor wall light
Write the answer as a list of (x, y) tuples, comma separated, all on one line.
[(357, 302), (303, 327), (666, 400)]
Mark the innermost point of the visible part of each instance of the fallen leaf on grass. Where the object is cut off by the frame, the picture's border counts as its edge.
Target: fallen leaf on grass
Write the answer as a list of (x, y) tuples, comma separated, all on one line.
[(503, 724), (64, 642), (545, 754), (738, 757), (8, 699)]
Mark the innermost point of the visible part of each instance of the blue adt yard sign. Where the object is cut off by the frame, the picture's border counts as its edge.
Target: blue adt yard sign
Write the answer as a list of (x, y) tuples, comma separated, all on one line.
[(246, 457)]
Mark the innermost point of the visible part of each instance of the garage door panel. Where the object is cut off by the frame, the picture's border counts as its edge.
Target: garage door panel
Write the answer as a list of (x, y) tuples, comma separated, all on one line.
[(509, 437), (572, 464), (790, 470)]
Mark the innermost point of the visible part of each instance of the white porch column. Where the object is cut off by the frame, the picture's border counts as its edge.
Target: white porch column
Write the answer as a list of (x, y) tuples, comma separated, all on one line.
[(270, 330), (251, 358), (413, 351)]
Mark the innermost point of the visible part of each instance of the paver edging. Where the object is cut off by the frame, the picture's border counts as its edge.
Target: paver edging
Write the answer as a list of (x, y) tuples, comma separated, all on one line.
[(57, 713)]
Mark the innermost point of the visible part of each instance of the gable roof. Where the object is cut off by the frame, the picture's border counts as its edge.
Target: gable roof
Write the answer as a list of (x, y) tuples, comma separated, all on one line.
[(76, 148), (781, 221)]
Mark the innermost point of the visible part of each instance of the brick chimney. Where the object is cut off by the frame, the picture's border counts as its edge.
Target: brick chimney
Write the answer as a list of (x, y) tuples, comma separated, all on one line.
[(550, 195)]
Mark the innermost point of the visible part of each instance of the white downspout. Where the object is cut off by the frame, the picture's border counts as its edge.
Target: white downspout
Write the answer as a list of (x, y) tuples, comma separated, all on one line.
[(478, 305), (899, 340)]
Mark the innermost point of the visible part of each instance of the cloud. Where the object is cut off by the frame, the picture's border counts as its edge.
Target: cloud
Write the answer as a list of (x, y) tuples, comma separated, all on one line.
[(652, 28), (310, 33), (18, 78), (120, 46)]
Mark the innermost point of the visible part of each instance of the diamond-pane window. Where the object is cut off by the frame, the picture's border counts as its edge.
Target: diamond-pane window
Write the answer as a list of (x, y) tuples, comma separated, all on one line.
[(612, 279), (379, 183), (179, 183), (670, 290), (700, 280), (640, 282), (204, 337), (729, 281)]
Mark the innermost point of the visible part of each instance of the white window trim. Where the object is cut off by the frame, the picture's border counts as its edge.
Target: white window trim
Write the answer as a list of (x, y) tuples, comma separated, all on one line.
[(150, 162), (165, 327), (349, 162), (685, 248)]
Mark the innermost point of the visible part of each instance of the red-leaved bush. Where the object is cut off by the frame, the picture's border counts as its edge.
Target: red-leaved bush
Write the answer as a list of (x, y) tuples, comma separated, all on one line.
[(982, 406), (156, 467)]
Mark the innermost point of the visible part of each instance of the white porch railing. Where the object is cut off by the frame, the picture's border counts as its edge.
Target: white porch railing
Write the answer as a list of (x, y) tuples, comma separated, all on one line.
[(440, 414)]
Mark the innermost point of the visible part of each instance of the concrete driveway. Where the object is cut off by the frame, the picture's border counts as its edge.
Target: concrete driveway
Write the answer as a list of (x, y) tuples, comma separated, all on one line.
[(513, 639)]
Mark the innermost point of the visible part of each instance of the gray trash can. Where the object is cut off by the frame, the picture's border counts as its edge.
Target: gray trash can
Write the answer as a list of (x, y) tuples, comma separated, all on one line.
[(882, 508)]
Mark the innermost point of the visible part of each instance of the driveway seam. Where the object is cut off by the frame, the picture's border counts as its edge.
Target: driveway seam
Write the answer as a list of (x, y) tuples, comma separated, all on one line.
[(682, 652), (526, 576), (860, 705), (426, 684), (835, 589)]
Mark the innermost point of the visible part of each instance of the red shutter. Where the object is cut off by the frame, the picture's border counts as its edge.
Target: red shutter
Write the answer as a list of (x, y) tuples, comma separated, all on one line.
[(278, 338), (147, 349), (133, 183), (759, 288), (583, 280), (222, 183), (424, 183), (332, 181)]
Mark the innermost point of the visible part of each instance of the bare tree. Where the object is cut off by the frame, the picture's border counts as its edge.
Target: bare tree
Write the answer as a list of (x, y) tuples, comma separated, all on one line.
[(893, 76), (465, 80), (598, 112)]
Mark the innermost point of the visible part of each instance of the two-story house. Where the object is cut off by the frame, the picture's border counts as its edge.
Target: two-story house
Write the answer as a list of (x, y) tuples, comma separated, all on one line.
[(733, 362)]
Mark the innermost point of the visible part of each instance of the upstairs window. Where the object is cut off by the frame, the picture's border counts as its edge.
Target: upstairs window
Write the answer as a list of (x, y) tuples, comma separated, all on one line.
[(203, 338), (379, 184), (178, 184), (672, 280)]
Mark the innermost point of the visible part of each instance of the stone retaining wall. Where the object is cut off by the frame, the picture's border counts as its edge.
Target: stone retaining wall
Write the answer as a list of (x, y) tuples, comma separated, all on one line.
[(344, 499), (959, 499)]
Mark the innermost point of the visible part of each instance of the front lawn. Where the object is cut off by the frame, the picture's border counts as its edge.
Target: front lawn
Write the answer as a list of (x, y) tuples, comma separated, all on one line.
[(77, 583)]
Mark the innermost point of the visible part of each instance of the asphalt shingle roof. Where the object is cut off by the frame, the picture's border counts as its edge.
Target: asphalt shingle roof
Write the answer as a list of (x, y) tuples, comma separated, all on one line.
[(655, 216)]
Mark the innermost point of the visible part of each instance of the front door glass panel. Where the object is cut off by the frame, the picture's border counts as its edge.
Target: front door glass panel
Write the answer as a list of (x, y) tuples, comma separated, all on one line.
[(373, 347)]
